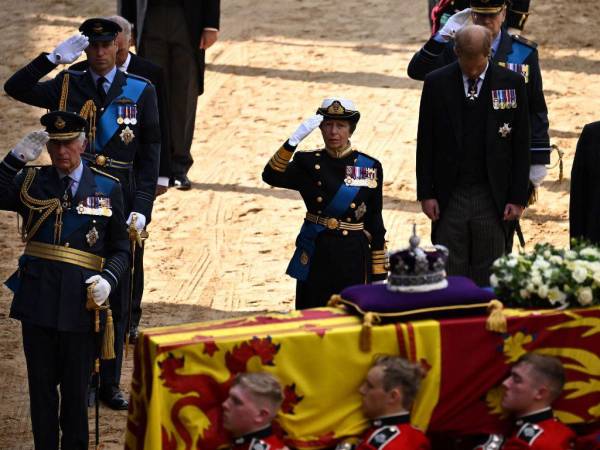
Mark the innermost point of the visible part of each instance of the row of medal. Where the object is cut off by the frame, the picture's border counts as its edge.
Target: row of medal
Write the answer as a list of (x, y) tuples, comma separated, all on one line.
[(361, 176), (523, 69), (504, 99), (95, 206), (127, 114)]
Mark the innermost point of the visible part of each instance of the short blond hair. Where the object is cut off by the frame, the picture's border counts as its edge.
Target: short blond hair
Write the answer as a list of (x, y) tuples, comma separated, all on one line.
[(262, 386)]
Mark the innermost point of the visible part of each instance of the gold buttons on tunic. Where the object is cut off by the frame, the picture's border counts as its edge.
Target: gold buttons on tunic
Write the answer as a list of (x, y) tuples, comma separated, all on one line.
[(319, 183), (67, 244), (352, 205), (317, 154), (319, 212), (317, 166), (319, 199), (348, 219), (345, 232)]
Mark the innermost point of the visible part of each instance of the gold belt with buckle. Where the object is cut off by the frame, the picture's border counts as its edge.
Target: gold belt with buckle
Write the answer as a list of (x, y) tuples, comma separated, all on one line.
[(104, 161), (332, 223), (64, 254)]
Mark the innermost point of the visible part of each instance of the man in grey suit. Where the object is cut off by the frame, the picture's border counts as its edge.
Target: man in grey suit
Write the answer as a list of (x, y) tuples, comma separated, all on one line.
[(175, 34)]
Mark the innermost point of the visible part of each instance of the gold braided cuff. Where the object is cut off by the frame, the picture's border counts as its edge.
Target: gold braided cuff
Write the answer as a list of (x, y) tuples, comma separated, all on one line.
[(280, 160), (379, 262)]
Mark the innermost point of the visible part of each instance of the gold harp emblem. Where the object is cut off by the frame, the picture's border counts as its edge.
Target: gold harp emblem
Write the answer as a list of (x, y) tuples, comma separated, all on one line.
[(97, 28)]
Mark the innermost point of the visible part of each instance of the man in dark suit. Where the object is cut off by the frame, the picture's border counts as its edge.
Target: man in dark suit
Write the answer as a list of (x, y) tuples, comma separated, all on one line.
[(472, 184), (126, 143), (76, 236), (584, 206), (175, 34), (513, 52)]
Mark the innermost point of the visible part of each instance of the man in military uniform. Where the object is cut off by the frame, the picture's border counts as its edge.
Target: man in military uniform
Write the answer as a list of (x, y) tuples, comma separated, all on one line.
[(513, 52), (534, 383), (126, 144), (76, 237), (252, 404), (516, 15), (342, 239), (387, 393)]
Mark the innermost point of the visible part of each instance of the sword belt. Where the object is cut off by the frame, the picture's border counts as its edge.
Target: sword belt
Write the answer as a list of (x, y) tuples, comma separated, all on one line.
[(65, 254)]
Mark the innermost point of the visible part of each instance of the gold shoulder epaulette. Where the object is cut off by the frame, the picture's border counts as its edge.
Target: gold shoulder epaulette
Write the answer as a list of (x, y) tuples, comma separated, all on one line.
[(105, 174), (522, 40)]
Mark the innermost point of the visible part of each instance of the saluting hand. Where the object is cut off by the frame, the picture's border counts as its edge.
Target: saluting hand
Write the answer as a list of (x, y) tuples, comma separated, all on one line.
[(455, 23), (305, 129), (30, 147), (69, 50), (101, 290)]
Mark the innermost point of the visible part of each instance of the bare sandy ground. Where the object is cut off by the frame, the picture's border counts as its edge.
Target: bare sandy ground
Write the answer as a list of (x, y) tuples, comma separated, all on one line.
[(222, 248)]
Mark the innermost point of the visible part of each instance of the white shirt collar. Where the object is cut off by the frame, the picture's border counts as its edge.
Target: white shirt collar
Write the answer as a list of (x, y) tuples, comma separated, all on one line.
[(110, 76), (75, 174), (123, 67)]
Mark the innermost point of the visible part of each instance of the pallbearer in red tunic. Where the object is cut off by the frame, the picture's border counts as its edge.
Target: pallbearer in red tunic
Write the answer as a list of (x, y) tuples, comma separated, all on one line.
[(534, 383), (253, 402), (388, 393)]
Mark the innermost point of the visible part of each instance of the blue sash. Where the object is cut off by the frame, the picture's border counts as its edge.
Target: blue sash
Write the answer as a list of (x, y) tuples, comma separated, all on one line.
[(299, 265), (520, 52), (107, 125)]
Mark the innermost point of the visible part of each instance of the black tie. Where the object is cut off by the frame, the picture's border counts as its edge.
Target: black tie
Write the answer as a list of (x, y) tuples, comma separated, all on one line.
[(472, 89), (67, 194), (100, 89)]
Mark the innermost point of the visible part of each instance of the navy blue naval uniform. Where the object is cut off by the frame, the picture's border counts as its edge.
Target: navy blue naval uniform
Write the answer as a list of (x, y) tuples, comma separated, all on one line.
[(50, 296), (141, 154), (334, 258), (515, 53)]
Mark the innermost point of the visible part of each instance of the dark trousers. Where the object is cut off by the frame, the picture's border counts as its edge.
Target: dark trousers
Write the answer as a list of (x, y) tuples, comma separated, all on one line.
[(64, 360), (166, 42), (138, 288), (338, 262), (473, 232)]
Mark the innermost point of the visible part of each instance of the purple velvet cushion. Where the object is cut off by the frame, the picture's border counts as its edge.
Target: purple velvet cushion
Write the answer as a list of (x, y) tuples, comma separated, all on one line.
[(462, 294)]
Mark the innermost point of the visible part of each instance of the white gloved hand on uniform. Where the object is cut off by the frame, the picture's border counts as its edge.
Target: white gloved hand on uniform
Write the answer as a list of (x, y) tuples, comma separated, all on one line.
[(69, 50), (537, 173), (305, 129), (101, 290), (455, 23), (140, 220), (30, 147)]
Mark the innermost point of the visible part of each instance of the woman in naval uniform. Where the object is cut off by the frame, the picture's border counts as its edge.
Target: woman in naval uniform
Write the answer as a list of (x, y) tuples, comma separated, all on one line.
[(342, 239)]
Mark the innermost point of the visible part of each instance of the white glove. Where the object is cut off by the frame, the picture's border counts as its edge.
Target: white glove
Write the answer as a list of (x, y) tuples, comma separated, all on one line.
[(455, 23), (101, 290), (30, 147), (537, 173), (69, 50), (140, 220), (305, 129)]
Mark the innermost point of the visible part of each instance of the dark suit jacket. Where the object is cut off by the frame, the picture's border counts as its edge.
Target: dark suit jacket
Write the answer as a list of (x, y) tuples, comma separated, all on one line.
[(200, 14), (584, 207), (52, 293), (435, 55), (154, 73), (439, 141), (144, 150)]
